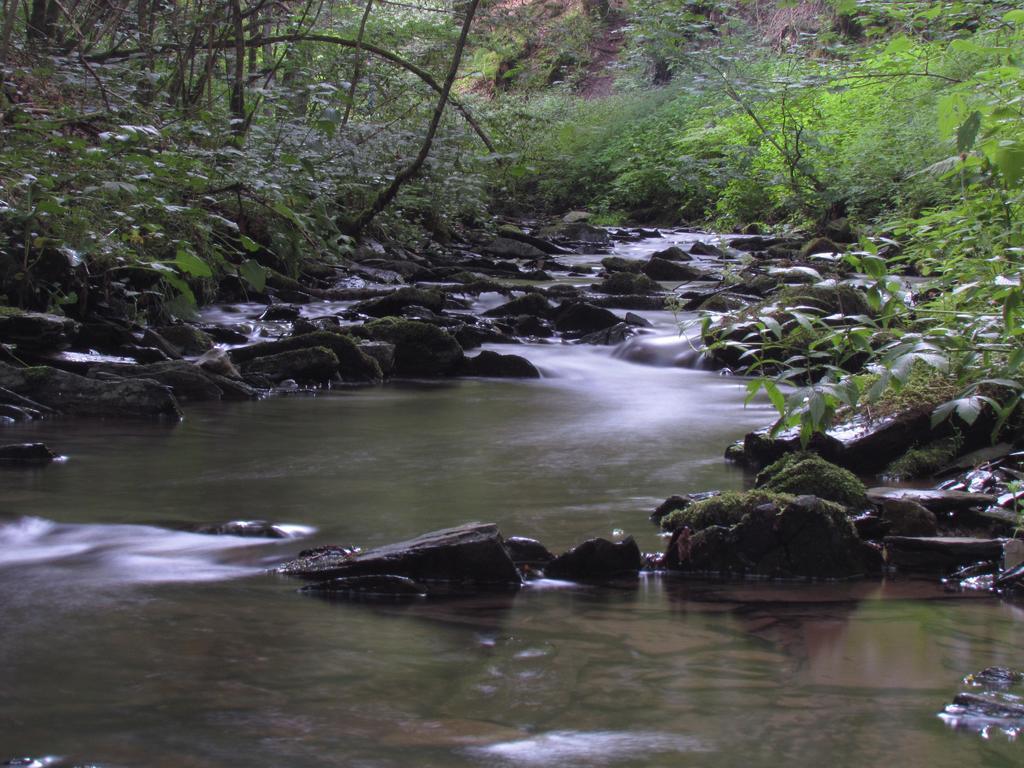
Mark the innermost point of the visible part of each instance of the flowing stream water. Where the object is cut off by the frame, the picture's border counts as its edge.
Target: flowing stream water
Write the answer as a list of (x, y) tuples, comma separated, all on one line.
[(125, 641)]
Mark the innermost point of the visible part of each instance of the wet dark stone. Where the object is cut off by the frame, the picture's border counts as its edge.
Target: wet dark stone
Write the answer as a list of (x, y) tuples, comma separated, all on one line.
[(473, 553), (256, 529), (672, 253), (490, 364), (26, 453), (513, 248), (617, 334), (531, 304), (700, 248), (939, 554), (597, 560), (37, 330), (663, 269), (280, 312), (583, 318), (393, 303), (526, 551), (935, 500)]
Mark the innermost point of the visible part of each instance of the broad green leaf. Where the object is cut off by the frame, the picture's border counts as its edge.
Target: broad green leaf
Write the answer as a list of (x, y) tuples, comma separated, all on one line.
[(248, 243), (1010, 161), (968, 132), (254, 273), (191, 264)]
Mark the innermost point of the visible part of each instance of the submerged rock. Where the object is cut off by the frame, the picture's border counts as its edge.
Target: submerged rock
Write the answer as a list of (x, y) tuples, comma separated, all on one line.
[(26, 454), (473, 553), (597, 560), (76, 395)]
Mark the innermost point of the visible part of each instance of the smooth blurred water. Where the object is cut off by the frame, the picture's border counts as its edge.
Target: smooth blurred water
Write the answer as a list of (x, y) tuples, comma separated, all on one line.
[(125, 641)]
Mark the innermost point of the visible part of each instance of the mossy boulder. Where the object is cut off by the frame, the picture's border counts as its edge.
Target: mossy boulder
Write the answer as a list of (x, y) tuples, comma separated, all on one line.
[(577, 231), (421, 349), (77, 395), (188, 339), (353, 364), (819, 245), (627, 283), (804, 537), (807, 473), (312, 365), (725, 509), (619, 264)]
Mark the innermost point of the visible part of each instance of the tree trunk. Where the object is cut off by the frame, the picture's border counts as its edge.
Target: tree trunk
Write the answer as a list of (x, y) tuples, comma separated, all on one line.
[(356, 69), (237, 105), (385, 197)]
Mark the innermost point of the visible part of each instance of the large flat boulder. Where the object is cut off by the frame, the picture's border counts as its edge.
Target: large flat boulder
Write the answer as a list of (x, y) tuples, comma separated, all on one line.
[(933, 499), (76, 395), (473, 553), (939, 554), (36, 330)]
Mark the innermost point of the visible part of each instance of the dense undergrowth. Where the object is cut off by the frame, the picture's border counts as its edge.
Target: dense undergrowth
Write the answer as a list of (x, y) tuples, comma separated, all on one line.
[(154, 158)]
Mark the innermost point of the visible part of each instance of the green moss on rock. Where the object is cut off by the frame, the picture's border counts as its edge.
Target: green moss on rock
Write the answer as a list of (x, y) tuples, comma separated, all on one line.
[(807, 473), (925, 460), (726, 509)]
